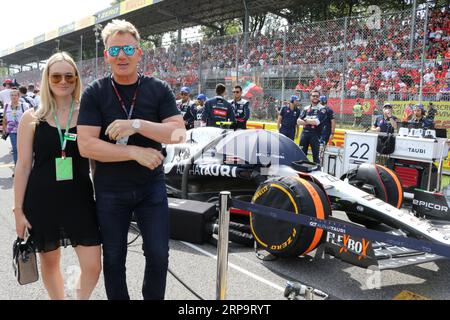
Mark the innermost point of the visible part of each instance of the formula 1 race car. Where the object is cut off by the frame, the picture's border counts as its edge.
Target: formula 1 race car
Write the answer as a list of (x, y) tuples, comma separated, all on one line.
[(269, 169)]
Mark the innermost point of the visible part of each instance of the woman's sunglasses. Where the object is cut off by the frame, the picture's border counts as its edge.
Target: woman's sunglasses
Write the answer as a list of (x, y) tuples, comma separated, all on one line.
[(57, 78), (128, 50)]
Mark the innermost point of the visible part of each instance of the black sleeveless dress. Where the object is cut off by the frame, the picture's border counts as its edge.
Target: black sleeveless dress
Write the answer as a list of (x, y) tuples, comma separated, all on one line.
[(61, 213)]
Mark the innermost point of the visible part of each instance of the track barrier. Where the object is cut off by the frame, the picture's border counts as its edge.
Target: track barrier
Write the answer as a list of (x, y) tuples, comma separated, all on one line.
[(300, 219), (342, 227), (222, 245)]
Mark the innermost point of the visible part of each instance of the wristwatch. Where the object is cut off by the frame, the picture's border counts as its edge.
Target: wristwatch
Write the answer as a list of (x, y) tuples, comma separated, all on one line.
[(136, 125)]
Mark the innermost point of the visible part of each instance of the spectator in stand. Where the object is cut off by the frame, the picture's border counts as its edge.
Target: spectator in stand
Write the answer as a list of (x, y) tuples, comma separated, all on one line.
[(305, 47)]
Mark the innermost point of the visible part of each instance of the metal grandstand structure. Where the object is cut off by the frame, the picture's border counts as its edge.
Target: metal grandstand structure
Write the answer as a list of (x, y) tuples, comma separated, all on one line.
[(149, 16)]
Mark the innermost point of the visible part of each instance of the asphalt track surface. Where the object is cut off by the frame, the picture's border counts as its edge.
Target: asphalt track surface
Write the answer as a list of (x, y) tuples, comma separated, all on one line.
[(248, 277)]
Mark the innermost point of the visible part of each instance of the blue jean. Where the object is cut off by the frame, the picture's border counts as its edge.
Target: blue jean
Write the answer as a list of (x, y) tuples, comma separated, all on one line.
[(13, 139), (150, 207)]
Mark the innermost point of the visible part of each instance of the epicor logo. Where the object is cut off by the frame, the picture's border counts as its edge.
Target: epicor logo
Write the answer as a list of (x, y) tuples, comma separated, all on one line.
[(430, 205)]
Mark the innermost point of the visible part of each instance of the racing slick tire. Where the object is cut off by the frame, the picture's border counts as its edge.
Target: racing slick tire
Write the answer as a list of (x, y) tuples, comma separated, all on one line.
[(382, 182), (296, 195)]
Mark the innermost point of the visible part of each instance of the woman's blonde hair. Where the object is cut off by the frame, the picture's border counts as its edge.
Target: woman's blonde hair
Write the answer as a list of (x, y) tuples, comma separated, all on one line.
[(48, 102), (119, 27)]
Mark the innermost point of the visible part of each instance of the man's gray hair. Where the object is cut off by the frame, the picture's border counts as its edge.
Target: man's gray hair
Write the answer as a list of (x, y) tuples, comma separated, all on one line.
[(119, 27)]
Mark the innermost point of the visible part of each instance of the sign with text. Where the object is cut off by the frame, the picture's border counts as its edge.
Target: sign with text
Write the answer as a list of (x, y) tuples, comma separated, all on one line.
[(367, 104), (39, 39), (68, 28), (84, 23), (51, 35), (442, 119), (132, 5), (108, 13), (359, 147), (28, 44)]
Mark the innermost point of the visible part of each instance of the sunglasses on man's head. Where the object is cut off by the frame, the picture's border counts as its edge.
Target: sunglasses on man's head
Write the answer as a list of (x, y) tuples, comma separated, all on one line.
[(128, 50), (57, 78)]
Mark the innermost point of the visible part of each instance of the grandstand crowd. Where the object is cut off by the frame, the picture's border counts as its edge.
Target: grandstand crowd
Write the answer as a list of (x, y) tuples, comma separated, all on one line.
[(372, 63)]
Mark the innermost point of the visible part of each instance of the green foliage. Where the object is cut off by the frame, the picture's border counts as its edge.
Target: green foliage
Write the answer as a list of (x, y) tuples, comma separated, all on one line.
[(220, 29), (3, 71)]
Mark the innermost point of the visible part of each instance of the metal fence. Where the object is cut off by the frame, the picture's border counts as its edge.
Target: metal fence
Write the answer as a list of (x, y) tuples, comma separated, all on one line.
[(374, 58)]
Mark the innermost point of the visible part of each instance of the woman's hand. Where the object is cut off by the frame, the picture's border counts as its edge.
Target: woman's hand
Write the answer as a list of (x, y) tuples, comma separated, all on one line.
[(21, 223)]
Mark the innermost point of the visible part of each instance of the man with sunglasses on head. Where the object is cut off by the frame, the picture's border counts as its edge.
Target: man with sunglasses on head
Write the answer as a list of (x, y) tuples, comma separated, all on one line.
[(124, 118), (241, 108)]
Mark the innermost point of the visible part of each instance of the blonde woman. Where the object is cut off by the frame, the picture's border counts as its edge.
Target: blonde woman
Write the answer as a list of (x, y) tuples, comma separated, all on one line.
[(53, 193)]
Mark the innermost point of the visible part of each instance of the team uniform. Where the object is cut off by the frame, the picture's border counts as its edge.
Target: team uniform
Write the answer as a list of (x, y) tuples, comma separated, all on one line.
[(326, 131), (431, 114), (384, 124), (217, 110), (193, 115), (185, 108), (311, 133), (289, 121), (242, 112), (422, 123)]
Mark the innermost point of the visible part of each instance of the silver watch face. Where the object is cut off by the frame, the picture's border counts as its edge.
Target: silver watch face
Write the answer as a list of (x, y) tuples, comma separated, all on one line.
[(136, 124)]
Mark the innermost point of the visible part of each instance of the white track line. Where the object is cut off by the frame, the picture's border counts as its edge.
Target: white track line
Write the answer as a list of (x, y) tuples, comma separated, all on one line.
[(246, 272)]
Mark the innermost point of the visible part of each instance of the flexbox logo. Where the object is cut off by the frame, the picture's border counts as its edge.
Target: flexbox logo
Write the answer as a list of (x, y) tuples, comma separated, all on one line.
[(347, 244)]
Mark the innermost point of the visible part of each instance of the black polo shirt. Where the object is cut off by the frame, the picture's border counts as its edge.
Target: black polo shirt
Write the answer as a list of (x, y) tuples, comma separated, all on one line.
[(100, 107)]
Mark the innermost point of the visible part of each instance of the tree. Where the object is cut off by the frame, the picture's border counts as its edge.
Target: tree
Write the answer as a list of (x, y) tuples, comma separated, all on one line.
[(307, 11), (220, 29)]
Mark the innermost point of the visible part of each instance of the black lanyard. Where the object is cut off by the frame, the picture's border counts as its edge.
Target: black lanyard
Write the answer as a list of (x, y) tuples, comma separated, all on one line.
[(122, 103)]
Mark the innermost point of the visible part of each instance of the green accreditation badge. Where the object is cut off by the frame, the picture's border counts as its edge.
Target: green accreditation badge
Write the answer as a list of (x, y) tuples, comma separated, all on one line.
[(70, 136), (64, 169)]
